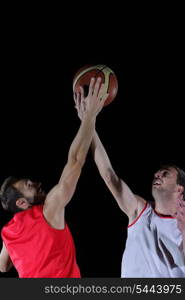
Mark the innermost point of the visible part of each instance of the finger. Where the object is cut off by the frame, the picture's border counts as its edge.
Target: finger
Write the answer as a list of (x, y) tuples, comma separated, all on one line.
[(75, 96), (75, 99), (181, 203), (91, 86), (181, 207), (78, 101), (180, 219), (83, 106), (182, 211), (102, 91), (82, 92), (181, 215), (181, 197), (97, 87)]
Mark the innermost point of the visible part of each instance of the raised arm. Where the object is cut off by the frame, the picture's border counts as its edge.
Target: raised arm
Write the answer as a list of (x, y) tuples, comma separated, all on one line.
[(129, 203), (62, 193)]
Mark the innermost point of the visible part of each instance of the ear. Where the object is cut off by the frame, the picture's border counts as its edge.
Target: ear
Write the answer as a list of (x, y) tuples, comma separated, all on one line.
[(180, 189), (22, 203)]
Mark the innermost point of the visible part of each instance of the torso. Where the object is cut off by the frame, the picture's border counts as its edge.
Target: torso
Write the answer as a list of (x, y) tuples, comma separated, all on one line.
[(154, 247)]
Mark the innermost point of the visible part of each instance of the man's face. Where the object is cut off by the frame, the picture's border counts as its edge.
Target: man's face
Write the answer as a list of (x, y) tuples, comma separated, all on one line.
[(31, 191), (165, 180)]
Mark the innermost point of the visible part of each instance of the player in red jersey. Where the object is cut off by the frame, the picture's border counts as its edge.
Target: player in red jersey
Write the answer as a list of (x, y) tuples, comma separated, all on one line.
[(37, 240)]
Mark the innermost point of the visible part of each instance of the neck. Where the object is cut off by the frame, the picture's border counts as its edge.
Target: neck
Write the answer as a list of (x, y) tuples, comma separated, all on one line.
[(165, 206)]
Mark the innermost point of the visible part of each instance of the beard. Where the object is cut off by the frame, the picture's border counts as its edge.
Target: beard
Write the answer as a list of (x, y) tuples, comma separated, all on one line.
[(37, 199)]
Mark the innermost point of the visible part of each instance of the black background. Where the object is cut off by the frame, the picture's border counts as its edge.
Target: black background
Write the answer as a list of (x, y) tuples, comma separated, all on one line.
[(141, 129)]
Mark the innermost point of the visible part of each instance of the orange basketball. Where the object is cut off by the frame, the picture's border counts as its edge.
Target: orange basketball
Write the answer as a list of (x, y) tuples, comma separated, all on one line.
[(84, 75)]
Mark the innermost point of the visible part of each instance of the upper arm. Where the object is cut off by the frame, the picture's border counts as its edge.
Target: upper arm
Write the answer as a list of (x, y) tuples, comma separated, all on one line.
[(61, 194), (5, 261), (129, 203)]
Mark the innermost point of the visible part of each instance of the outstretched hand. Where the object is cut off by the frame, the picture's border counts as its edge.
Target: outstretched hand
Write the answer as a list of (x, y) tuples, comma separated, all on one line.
[(94, 102), (180, 214)]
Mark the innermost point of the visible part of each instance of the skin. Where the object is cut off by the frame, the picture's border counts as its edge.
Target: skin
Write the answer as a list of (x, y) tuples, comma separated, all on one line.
[(168, 195), (166, 191), (60, 195)]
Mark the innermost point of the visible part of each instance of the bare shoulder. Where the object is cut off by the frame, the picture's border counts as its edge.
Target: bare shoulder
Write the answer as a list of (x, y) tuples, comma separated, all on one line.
[(141, 203)]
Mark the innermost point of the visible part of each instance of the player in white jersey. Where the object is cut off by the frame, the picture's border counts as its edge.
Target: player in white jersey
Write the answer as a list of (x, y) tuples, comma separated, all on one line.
[(155, 246)]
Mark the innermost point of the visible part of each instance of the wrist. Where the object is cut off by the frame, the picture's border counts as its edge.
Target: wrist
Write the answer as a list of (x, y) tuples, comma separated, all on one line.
[(89, 117)]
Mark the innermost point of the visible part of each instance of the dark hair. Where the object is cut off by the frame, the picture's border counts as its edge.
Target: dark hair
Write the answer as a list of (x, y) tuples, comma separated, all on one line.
[(9, 195), (180, 175)]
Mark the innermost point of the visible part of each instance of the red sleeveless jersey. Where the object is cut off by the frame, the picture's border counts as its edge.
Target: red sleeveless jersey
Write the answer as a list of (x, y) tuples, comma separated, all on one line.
[(38, 250)]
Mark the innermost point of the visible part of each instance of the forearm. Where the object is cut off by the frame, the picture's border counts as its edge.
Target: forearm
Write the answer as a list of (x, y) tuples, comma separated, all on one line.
[(126, 199), (100, 156), (82, 141)]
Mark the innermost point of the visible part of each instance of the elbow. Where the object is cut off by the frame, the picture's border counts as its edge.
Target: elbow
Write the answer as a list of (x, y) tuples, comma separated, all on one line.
[(109, 176), (112, 181), (78, 161)]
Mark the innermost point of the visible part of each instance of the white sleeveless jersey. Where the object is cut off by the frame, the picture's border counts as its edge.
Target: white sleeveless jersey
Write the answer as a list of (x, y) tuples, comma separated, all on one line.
[(154, 247)]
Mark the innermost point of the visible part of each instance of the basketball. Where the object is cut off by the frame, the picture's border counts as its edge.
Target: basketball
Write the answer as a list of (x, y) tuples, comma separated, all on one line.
[(84, 75)]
